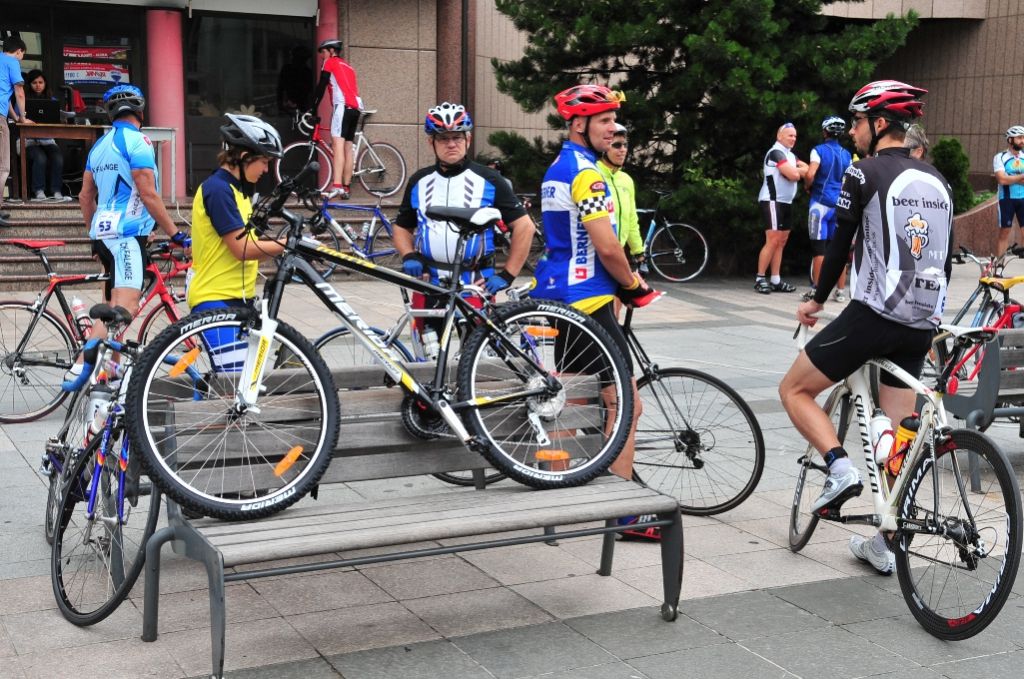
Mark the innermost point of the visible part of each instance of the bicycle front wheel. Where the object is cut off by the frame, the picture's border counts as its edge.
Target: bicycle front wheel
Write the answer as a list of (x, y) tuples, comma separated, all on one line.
[(97, 555), (381, 169), (380, 248), (959, 546), (697, 440), (30, 379), (678, 252), (60, 449), (810, 480), (296, 156), (575, 419), (206, 449)]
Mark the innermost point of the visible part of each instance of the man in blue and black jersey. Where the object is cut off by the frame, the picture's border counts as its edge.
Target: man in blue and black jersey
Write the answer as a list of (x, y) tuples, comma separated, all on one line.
[(119, 199), (1008, 167), (824, 177)]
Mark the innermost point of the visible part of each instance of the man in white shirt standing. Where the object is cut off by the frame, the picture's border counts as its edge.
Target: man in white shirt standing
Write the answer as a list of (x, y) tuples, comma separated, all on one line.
[(782, 174)]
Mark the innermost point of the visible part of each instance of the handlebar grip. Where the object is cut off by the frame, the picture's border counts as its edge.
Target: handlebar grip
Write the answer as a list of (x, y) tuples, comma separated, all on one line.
[(287, 187), (80, 380)]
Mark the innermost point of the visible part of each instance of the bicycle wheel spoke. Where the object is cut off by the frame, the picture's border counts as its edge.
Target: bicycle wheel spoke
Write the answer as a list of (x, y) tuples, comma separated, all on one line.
[(30, 379)]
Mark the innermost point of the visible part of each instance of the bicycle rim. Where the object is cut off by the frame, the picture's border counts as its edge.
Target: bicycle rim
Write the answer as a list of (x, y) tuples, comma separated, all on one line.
[(678, 252), (216, 459), (296, 156), (96, 559), (381, 169), (156, 320), (697, 440), (557, 438), (30, 380), (70, 439), (381, 248), (812, 472), (956, 582)]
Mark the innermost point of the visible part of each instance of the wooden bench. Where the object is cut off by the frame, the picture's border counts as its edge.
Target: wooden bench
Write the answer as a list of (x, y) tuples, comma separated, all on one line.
[(374, 445)]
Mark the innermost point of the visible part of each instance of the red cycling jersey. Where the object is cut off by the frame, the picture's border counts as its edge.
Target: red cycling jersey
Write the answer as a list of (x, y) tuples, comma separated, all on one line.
[(344, 90)]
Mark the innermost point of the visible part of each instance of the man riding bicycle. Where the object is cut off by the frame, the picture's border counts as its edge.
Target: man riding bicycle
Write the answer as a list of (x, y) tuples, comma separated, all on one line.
[(900, 212), (427, 246)]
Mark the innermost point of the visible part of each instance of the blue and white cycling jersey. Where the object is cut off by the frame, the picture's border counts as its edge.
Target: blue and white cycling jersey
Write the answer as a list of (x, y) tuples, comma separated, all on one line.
[(119, 210), (1011, 164)]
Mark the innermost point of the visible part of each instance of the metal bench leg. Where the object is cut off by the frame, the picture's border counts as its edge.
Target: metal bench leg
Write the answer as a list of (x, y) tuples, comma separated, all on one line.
[(607, 549), (218, 615), (672, 563), (151, 600)]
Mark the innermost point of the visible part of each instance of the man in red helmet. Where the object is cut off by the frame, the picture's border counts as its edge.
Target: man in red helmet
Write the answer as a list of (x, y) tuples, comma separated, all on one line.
[(585, 265), (900, 211)]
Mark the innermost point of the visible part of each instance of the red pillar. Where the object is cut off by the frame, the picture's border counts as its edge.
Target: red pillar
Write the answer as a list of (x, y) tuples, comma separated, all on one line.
[(165, 98)]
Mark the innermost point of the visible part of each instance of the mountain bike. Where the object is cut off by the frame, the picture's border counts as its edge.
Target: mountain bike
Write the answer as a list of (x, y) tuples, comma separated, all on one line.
[(542, 393), (379, 167), (105, 511), (697, 439), (957, 548), (677, 252), (37, 346)]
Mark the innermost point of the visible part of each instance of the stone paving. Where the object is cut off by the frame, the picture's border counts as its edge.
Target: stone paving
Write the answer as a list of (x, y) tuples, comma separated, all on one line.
[(751, 608)]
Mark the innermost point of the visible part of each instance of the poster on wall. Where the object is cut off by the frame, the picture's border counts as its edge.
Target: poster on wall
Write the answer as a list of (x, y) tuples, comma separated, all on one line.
[(82, 72), (95, 52)]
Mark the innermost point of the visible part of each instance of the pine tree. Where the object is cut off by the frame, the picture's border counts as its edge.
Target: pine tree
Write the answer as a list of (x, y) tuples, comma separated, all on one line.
[(707, 83)]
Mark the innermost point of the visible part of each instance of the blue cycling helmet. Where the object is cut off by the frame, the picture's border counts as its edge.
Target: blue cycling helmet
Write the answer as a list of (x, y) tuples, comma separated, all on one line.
[(447, 117), (121, 99)]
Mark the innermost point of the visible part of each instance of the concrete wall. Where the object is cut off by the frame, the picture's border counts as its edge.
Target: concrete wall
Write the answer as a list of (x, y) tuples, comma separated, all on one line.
[(926, 9)]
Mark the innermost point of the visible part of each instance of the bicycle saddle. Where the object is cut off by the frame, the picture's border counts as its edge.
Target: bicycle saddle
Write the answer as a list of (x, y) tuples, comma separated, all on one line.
[(470, 219), (110, 316), (961, 330), (1001, 283), (29, 244)]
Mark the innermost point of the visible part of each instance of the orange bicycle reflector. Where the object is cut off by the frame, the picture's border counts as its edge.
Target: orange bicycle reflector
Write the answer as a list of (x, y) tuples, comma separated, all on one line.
[(539, 331), (286, 463), (553, 460), (184, 362)]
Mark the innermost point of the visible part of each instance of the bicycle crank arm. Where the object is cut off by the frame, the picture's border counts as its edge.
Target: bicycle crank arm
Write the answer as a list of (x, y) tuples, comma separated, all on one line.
[(863, 519), (453, 421)]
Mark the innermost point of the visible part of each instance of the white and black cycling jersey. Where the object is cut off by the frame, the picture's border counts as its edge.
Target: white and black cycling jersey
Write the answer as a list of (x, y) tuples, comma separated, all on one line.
[(775, 187), (466, 185), (898, 213)]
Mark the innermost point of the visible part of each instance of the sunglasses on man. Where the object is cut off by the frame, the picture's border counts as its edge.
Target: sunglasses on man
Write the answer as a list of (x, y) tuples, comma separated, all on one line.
[(620, 144)]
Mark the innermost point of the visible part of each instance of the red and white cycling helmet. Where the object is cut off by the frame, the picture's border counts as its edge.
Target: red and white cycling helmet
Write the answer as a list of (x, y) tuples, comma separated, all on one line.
[(889, 98), (587, 100)]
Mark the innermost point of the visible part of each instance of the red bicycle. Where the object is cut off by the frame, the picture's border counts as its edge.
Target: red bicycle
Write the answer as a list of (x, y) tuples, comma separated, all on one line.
[(38, 346)]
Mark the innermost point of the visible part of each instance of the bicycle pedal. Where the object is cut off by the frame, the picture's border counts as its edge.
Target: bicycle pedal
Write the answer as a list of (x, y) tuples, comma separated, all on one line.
[(830, 512)]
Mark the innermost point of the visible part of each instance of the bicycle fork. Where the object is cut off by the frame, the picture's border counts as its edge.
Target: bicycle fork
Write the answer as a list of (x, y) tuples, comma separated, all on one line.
[(260, 345)]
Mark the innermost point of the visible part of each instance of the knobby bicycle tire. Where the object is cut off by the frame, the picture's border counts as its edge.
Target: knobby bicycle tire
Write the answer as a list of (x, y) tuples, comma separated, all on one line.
[(813, 472), (70, 438), (678, 252), (208, 455), (585, 420), (30, 380), (382, 178), (956, 580), (697, 440), (296, 156), (95, 560)]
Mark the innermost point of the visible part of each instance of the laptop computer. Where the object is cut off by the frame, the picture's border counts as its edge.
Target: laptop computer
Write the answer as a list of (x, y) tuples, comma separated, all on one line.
[(43, 110)]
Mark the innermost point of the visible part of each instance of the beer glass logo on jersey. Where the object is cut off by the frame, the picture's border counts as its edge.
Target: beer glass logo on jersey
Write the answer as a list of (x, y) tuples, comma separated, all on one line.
[(917, 232)]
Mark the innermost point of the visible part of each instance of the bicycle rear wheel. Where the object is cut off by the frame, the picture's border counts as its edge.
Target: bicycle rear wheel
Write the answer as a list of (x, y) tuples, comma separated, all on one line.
[(957, 568), (296, 156), (381, 169), (156, 320), (678, 252), (97, 556), (339, 348), (576, 422), (212, 455), (697, 440), (813, 471), (30, 379), (380, 247), (69, 441)]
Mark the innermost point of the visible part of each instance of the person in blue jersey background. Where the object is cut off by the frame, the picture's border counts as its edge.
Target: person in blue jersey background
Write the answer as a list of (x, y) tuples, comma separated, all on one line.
[(824, 178)]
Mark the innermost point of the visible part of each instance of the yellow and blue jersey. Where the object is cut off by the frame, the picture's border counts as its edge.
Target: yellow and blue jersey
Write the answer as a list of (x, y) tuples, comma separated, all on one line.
[(574, 193), (220, 208)]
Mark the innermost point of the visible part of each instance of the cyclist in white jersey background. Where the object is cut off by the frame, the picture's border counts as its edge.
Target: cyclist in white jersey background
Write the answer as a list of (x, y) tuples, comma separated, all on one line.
[(900, 212), (1008, 167), (119, 199)]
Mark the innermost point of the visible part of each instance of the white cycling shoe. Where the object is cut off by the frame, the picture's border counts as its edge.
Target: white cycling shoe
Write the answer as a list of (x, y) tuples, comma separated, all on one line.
[(875, 552), (839, 487)]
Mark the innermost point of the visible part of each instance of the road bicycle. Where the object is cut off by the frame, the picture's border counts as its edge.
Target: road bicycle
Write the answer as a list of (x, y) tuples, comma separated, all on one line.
[(697, 439), (373, 240), (37, 345), (542, 393), (677, 252), (379, 167), (957, 548), (104, 511)]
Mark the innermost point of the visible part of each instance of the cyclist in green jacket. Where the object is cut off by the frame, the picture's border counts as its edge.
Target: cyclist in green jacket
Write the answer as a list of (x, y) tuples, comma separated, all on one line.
[(623, 193)]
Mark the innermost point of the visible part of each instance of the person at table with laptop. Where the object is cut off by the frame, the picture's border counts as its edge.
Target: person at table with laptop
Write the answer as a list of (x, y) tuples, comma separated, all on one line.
[(44, 155)]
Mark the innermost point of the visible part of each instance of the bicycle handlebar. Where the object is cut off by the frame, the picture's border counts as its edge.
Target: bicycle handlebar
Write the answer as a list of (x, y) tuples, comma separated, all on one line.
[(273, 205)]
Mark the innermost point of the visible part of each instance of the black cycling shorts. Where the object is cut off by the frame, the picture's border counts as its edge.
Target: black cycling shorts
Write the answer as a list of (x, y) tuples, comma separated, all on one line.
[(860, 334), (775, 215), (349, 121), (575, 356)]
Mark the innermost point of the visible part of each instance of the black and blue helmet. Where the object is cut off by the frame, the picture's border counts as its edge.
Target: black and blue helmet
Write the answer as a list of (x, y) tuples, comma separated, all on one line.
[(121, 99)]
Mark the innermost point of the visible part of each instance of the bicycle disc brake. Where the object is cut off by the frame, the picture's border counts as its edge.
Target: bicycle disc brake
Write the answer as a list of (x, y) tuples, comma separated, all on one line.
[(421, 420)]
